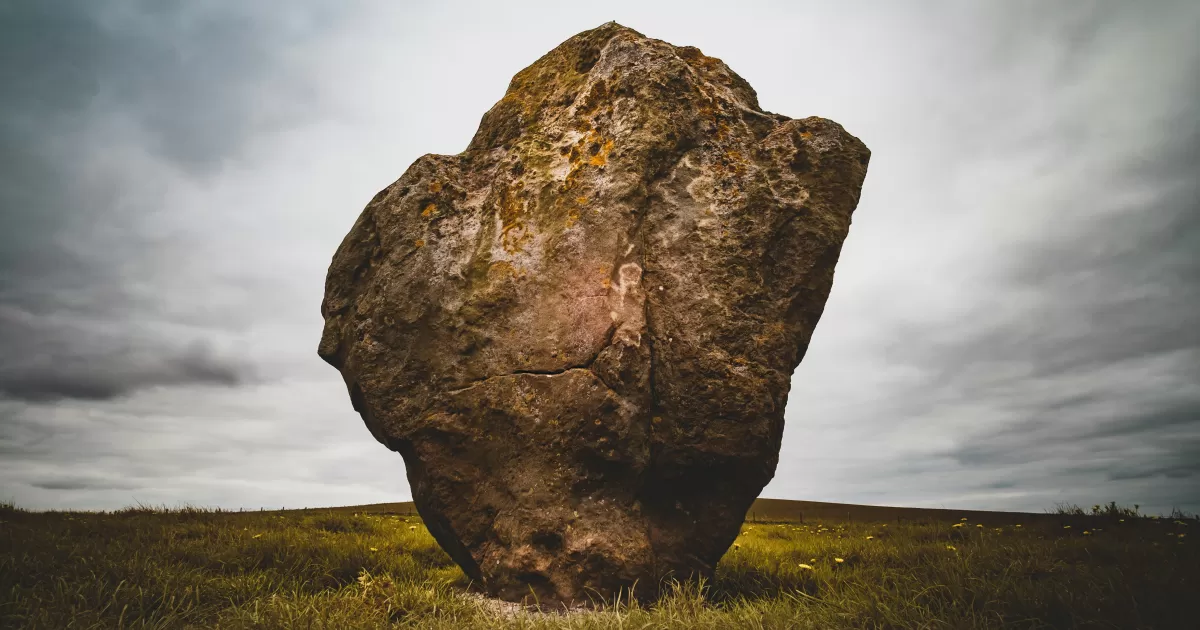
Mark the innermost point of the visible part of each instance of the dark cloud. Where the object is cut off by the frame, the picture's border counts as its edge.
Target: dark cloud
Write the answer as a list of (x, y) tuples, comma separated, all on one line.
[(121, 372), (1180, 461), (80, 483)]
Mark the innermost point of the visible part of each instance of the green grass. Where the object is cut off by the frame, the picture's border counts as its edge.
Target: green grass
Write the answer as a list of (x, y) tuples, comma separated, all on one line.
[(145, 568)]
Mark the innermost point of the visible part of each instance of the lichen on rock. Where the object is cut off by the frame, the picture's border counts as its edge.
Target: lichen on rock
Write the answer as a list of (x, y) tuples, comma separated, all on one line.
[(580, 332)]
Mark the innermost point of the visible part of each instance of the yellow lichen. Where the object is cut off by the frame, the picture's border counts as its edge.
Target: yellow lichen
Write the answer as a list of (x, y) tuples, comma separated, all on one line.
[(429, 210), (592, 149), (601, 156), (514, 235), (503, 267), (572, 217)]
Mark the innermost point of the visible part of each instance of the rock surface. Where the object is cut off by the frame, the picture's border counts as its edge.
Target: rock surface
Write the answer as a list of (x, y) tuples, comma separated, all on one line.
[(580, 332)]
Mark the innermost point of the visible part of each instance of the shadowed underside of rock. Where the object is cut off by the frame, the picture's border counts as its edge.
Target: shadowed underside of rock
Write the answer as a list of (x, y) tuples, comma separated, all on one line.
[(580, 332)]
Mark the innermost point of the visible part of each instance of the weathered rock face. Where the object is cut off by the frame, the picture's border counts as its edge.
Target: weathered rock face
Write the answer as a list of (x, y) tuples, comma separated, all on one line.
[(580, 332)]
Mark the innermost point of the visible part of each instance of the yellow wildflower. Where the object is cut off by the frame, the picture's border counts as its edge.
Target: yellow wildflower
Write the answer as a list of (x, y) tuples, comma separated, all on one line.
[(957, 525), (870, 537), (980, 526), (1087, 533), (838, 560), (806, 567), (373, 549), (952, 547), (257, 536)]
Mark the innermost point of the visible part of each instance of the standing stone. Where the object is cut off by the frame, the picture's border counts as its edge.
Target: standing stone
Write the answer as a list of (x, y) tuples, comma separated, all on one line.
[(580, 332)]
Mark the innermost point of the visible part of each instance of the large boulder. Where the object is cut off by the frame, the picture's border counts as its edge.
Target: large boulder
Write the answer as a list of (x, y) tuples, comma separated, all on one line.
[(580, 332)]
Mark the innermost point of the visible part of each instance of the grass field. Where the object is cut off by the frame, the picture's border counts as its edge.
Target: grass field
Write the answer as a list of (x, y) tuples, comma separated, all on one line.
[(796, 565)]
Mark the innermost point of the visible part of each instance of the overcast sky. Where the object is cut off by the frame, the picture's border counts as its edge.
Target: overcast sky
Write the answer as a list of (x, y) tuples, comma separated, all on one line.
[(1015, 319)]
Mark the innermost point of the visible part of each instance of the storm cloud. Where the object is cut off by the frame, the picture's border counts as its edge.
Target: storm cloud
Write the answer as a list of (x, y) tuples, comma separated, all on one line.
[(1013, 322)]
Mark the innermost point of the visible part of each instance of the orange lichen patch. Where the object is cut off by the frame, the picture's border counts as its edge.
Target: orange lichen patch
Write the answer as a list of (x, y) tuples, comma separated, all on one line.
[(419, 243), (514, 234), (581, 200), (435, 187), (515, 238), (429, 210), (709, 106), (600, 153), (572, 217), (569, 181), (559, 213), (511, 207), (806, 134), (590, 150), (502, 268), (731, 162), (607, 283)]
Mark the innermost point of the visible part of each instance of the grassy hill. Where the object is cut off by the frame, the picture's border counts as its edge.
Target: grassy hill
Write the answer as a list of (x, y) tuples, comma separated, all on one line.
[(795, 565), (789, 511)]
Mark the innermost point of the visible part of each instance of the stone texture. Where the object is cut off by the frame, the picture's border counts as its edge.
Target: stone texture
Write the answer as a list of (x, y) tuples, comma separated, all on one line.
[(580, 332)]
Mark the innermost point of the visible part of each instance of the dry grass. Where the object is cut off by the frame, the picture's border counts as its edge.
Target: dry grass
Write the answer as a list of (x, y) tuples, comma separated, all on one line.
[(145, 568)]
